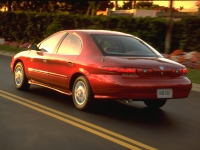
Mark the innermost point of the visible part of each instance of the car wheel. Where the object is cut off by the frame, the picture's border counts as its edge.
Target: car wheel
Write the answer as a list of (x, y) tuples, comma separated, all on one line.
[(20, 79), (155, 103), (82, 94)]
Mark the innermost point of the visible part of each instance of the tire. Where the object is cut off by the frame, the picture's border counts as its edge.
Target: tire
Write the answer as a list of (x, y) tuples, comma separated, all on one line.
[(155, 103), (82, 94), (20, 79)]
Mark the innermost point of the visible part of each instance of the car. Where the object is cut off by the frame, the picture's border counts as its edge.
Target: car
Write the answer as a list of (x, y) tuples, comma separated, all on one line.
[(94, 65)]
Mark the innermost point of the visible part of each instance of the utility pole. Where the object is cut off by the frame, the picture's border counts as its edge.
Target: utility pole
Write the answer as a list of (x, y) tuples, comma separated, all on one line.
[(168, 37)]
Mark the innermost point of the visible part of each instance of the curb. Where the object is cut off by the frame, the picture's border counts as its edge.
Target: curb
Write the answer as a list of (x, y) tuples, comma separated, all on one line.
[(195, 86), (7, 53)]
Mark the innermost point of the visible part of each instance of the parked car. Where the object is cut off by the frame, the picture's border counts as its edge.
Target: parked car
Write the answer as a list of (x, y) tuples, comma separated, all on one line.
[(100, 64)]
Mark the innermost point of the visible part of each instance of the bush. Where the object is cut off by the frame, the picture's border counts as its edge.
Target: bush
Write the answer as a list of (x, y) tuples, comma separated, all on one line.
[(33, 27)]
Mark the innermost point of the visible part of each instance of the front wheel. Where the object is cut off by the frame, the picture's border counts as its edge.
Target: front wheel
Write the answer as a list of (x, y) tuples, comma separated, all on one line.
[(155, 103), (82, 93), (20, 79)]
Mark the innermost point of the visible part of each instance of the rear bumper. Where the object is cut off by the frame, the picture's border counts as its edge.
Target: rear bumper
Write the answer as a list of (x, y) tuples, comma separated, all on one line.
[(137, 88)]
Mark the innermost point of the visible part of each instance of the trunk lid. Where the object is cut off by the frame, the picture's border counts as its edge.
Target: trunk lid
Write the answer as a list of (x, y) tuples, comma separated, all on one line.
[(150, 66)]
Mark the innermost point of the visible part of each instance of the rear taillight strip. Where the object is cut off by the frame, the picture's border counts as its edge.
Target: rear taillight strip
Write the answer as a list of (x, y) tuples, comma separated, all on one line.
[(144, 70), (120, 69), (183, 71)]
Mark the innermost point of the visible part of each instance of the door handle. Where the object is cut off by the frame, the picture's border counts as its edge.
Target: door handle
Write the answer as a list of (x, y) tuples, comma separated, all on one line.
[(70, 63), (45, 59)]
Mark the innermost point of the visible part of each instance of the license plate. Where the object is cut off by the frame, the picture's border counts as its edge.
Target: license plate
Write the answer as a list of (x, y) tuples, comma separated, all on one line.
[(164, 93)]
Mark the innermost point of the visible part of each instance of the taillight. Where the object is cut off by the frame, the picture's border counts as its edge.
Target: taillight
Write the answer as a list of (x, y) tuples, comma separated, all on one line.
[(176, 70), (120, 69), (143, 70), (183, 71)]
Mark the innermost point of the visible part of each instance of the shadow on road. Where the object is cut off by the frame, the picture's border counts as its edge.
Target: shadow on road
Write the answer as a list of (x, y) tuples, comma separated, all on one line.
[(120, 111), (129, 112)]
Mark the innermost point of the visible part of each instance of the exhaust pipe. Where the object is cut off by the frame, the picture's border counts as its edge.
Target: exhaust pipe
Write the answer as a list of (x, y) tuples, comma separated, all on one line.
[(127, 100)]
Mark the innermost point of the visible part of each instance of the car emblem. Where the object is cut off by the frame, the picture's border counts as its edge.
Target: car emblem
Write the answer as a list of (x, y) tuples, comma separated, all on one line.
[(162, 67)]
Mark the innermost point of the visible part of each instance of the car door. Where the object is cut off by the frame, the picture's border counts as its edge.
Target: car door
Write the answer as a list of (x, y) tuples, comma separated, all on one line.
[(37, 60), (63, 61)]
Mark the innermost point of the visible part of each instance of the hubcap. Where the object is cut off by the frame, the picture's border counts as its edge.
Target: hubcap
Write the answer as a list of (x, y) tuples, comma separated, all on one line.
[(80, 92), (18, 76)]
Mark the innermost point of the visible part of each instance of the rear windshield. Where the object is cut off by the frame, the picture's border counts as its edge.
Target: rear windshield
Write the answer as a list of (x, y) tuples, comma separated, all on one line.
[(115, 45)]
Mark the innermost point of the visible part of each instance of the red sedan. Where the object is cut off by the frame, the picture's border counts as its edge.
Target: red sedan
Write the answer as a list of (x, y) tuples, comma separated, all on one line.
[(99, 64)]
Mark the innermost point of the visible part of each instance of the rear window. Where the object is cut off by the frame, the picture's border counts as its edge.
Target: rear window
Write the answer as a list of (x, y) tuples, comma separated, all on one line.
[(115, 45)]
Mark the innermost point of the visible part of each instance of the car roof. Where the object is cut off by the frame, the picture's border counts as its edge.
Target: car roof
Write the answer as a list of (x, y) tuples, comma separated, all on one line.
[(91, 31)]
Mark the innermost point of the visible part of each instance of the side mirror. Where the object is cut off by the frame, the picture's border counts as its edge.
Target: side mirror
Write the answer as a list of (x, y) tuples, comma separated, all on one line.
[(33, 47), (43, 50)]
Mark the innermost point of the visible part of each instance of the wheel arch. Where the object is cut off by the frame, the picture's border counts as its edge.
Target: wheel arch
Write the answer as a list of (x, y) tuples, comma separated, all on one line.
[(15, 63), (74, 77), (20, 78)]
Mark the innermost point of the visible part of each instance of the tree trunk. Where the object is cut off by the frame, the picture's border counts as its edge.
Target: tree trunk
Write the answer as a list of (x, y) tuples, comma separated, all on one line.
[(9, 5), (88, 10), (134, 4), (93, 12), (116, 4), (168, 37)]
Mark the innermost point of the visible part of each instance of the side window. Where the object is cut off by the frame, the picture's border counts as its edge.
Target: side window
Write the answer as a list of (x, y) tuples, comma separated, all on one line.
[(71, 45), (50, 43)]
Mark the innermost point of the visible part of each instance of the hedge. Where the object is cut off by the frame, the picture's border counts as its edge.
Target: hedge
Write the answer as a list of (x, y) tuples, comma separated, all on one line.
[(33, 27)]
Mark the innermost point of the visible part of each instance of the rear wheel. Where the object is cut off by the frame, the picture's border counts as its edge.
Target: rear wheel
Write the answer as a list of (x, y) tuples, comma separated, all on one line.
[(20, 79), (155, 103), (82, 94)]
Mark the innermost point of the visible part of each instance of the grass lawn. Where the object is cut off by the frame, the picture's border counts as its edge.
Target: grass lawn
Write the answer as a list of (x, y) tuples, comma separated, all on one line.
[(193, 75), (11, 48)]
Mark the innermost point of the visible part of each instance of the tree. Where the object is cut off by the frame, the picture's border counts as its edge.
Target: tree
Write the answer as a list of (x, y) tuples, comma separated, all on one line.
[(134, 4), (144, 4), (106, 4), (93, 6), (72, 6), (168, 37), (127, 5), (116, 4), (197, 3), (77, 6), (9, 5)]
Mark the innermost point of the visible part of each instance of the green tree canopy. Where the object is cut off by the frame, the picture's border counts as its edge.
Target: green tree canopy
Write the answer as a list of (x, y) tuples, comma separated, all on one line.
[(70, 6)]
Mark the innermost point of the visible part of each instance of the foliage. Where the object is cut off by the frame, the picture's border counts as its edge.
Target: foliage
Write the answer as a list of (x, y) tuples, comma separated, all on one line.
[(189, 39), (144, 5), (33, 27), (189, 59), (197, 3), (67, 6), (127, 5)]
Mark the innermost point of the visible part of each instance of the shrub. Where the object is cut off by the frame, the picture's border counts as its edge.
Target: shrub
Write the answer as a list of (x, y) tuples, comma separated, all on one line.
[(33, 27)]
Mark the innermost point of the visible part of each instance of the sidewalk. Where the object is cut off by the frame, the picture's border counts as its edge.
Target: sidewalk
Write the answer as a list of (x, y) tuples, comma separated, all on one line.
[(195, 87)]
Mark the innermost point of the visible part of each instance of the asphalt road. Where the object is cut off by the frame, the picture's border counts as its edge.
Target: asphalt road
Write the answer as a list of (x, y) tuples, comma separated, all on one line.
[(43, 119)]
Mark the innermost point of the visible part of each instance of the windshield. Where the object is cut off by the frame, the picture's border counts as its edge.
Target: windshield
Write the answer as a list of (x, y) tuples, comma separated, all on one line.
[(115, 45)]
